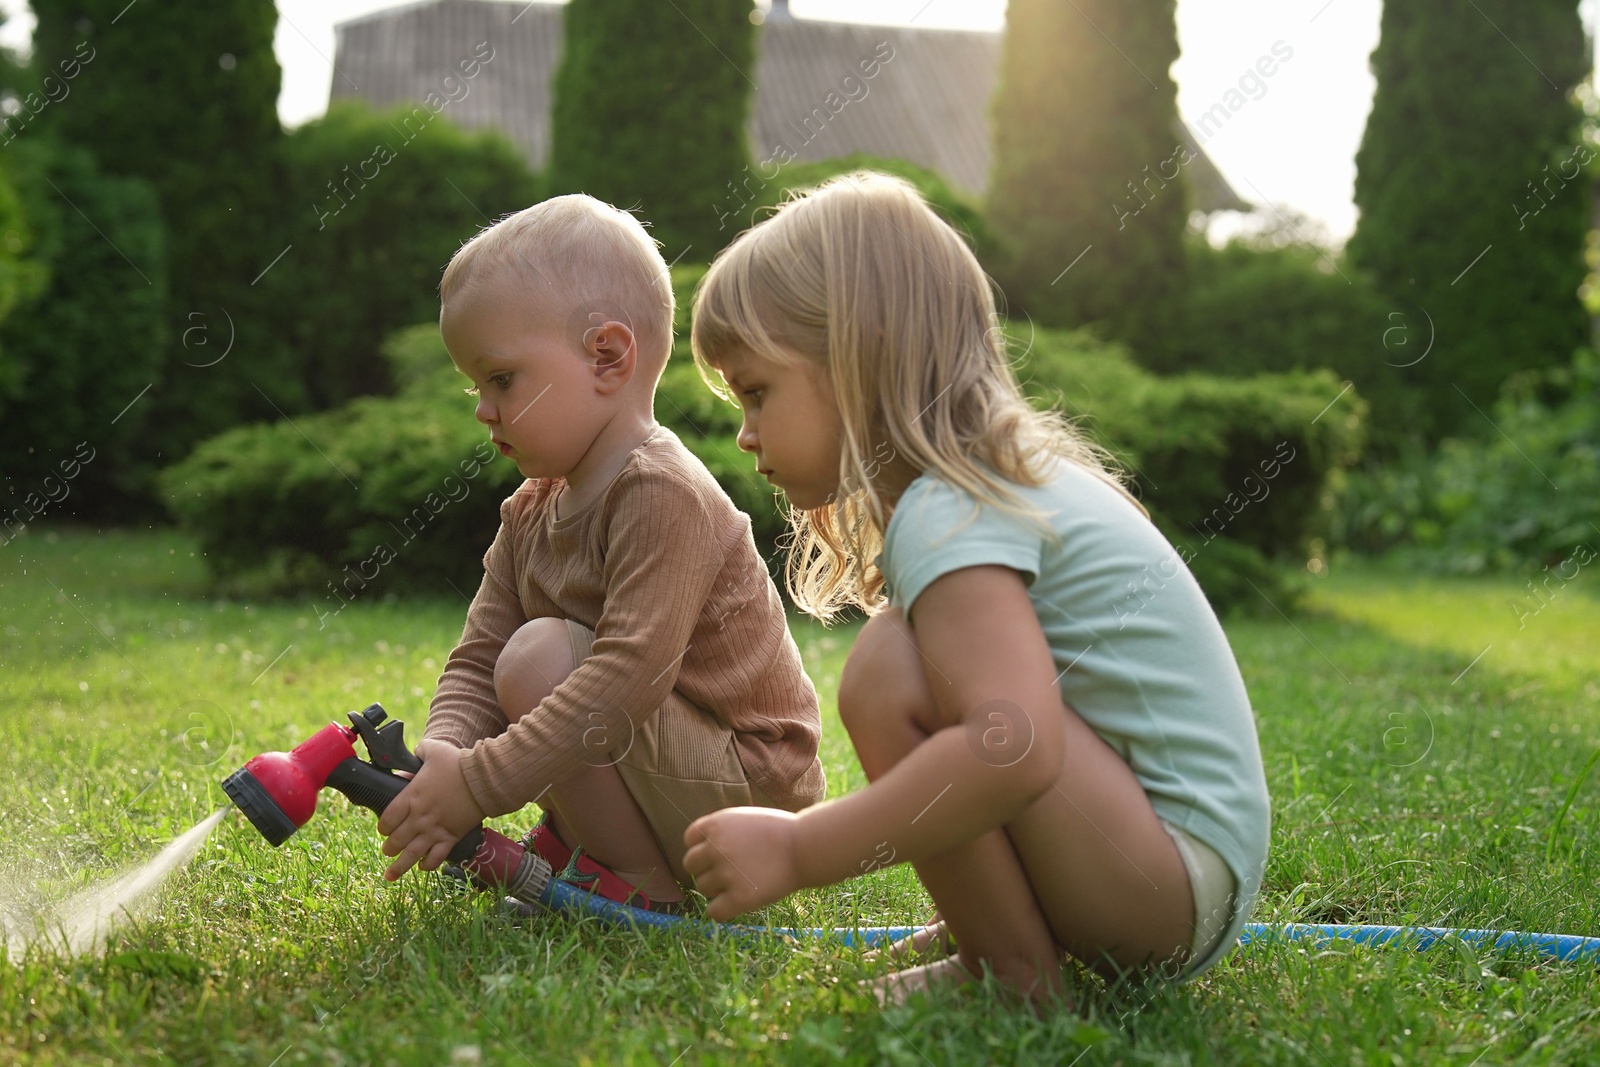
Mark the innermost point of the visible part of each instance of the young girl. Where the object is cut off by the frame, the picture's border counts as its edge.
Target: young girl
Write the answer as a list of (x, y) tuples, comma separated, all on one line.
[(1049, 715)]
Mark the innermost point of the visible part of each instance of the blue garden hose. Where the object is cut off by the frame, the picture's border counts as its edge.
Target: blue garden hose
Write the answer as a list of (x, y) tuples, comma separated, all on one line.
[(1567, 948), (561, 896)]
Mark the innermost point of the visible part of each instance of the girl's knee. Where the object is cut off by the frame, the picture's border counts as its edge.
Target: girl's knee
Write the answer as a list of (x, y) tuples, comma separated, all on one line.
[(533, 662), (882, 676)]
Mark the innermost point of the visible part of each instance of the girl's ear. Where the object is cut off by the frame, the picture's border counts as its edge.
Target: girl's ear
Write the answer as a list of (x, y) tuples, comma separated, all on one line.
[(612, 352)]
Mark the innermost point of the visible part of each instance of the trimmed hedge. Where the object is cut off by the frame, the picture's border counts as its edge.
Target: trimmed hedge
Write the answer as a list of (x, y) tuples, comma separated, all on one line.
[(1238, 473), (376, 202), (395, 492), (1085, 163), (1263, 305), (1474, 186), (183, 97)]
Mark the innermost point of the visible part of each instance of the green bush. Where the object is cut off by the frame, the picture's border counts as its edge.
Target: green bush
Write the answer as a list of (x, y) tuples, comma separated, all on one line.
[(368, 207), (954, 207), (21, 274), (1085, 163), (1520, 498), (709, 427), (386, 492), (1474, 187)]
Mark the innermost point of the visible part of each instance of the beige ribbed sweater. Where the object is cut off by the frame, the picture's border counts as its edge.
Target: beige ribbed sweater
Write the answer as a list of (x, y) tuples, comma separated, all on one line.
[(664, 569)]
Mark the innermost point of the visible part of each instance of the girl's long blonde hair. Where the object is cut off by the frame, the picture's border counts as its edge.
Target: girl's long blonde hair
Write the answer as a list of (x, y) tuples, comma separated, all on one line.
[(860, 278)]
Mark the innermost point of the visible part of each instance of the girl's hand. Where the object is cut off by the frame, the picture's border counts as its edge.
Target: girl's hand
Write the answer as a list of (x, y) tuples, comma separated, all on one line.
[(742, 858), (431, 814)]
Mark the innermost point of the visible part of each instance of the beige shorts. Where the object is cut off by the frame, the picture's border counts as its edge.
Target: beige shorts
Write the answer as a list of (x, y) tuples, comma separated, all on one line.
[(1213, 886), (679, 764)]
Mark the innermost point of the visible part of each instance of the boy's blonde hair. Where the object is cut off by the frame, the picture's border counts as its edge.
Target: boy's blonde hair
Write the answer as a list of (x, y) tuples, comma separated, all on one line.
[(581, 261), (860, 278)]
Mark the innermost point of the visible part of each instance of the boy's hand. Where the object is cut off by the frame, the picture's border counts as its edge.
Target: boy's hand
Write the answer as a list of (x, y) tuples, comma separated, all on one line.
[(431, 814), (742, 858)]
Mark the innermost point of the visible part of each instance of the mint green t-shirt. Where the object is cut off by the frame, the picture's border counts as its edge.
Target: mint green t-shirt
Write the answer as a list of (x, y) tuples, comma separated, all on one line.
[(1142, 656)]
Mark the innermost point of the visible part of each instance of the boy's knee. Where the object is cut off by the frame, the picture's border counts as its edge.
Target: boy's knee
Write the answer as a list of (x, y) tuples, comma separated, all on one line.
[(534, 661)]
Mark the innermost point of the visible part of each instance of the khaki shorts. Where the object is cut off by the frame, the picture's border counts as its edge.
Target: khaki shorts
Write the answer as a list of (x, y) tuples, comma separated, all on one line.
[(1213, 887), (679, 764)]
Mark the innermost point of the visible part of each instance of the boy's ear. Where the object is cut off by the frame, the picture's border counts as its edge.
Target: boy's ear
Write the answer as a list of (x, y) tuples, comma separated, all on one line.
[(612, 352)]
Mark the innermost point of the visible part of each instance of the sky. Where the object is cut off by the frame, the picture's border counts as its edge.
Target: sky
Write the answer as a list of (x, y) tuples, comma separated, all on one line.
[(1292, 146)]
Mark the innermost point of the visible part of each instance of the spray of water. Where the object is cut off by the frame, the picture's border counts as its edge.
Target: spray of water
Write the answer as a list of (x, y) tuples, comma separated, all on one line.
[(81, 922)]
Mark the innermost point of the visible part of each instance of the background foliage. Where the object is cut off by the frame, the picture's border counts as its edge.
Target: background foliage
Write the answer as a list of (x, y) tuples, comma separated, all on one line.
[(1521, 501), (366, 260), (307, 504), (298, 255), (85, 337), (961, 211), (1249, 455)]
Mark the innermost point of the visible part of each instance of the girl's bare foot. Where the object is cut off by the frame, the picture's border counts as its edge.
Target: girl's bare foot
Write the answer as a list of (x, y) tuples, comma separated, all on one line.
[(896, 987), (932, 939), (1038, 992)]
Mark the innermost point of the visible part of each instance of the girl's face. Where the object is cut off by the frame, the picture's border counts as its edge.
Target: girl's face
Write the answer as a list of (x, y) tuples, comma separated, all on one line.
[(791, 425)]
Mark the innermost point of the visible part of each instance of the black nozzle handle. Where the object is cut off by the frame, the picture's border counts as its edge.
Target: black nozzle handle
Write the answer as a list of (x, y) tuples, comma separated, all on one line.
[(373, 788)]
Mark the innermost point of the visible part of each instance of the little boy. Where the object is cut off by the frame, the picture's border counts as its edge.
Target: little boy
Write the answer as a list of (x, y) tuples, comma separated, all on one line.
[(626, 663)]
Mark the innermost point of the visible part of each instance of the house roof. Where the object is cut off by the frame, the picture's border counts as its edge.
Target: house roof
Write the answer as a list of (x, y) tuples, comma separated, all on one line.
[(928, 103)]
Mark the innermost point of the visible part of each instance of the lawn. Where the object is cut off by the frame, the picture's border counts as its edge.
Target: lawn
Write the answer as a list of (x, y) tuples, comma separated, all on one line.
[(1421, 737)]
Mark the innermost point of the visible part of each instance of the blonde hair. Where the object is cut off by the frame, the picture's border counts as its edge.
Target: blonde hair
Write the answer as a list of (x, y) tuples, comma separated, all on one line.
[(579, 258), (860, 278)]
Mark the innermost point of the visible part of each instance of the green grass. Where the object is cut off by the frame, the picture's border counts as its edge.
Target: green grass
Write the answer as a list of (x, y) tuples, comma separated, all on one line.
[(1407, 786)]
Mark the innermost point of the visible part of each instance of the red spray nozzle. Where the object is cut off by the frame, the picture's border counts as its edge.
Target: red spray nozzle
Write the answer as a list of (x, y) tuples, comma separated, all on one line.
[(277, 791)]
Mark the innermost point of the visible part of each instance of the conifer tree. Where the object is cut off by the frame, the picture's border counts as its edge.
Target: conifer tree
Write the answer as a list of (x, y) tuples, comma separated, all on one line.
[(183, 94), (1087, 191), (1474, 195), (649, 112)]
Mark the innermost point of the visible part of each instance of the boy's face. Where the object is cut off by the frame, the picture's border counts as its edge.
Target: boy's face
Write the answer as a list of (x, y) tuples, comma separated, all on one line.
[(535, 392), (791, 424)]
